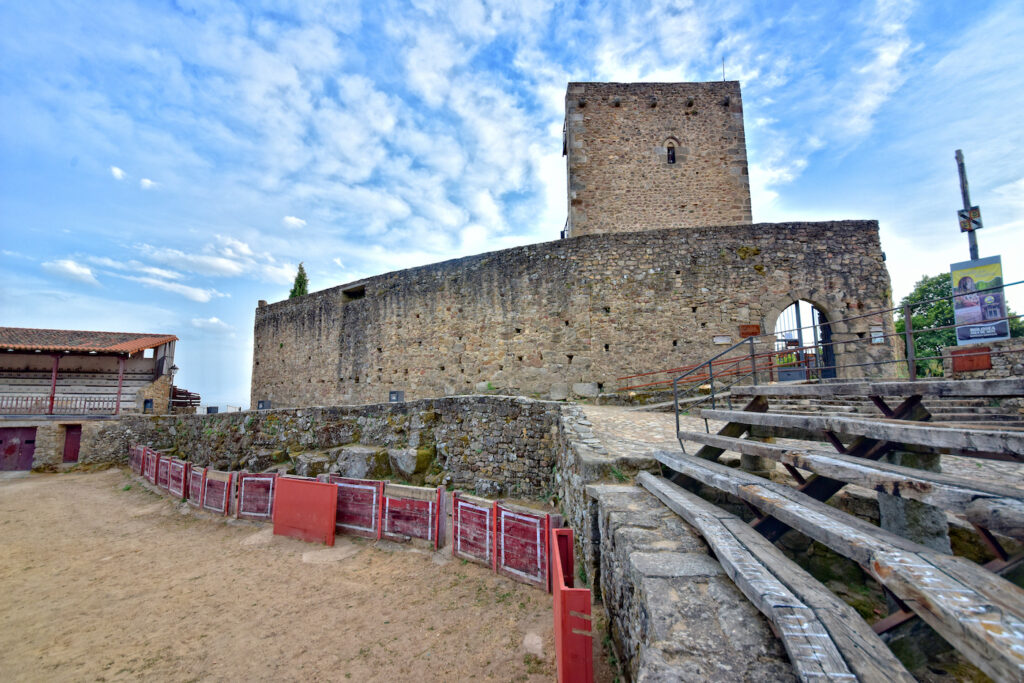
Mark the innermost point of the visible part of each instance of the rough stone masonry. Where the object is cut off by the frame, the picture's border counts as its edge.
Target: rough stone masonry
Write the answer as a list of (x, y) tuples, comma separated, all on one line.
[(641, 283)]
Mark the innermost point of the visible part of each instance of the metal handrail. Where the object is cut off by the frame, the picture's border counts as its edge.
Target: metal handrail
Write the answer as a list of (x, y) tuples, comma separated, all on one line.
[(711, 376)]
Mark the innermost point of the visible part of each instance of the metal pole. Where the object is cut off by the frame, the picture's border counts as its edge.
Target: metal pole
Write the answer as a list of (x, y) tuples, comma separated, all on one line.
[(753, 361), (965, 194), (711, 381), (909, 335)]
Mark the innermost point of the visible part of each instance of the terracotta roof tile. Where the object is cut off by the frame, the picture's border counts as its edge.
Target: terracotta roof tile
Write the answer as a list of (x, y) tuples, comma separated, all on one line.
[(30, 339)]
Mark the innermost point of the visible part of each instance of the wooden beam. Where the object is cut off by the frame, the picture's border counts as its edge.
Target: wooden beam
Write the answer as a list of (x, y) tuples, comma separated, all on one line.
[(824, 637), (969, 388), (1000, 508), (883, 429), (979, 613)]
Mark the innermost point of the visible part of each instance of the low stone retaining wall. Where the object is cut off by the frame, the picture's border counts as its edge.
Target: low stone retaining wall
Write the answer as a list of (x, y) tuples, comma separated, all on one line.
[(492, 445)]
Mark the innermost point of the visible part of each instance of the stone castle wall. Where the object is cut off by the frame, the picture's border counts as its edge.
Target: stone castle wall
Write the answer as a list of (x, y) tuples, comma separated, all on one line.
[(570, 316), (620, 178)]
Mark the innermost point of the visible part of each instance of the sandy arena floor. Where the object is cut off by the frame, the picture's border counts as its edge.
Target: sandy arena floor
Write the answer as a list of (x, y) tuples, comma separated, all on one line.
[(100, 581)]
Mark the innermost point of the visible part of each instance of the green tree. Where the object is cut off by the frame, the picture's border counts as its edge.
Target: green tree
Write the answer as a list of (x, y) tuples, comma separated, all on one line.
[(928, 310), (301, 286)]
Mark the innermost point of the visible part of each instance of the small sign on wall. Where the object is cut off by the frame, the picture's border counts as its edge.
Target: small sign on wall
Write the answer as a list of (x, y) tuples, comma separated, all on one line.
[(877, 336), (396, 397), (749, 331), (722, 339)]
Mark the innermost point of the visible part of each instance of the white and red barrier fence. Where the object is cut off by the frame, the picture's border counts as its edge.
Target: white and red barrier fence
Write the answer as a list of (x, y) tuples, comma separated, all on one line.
[(473, 528), (256, 496), (412, 512), (151, 459), (359, 506), (217, 491), (163, 464), (196, 485), (512, 540), (177, 472), (521, 544)]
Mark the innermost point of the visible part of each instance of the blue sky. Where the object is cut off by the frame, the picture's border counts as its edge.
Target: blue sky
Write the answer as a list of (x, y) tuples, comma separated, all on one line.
[(165, 165)]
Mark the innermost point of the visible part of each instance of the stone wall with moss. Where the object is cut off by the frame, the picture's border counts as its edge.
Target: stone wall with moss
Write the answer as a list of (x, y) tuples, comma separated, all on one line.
[(489, 445), (569, 317)]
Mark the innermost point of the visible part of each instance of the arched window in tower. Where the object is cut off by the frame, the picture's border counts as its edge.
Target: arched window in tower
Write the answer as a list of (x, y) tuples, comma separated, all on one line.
[(670, 153)]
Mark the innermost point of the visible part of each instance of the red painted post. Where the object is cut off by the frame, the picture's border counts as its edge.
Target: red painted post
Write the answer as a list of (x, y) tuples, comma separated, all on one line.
[(120, 383), (380, 510), (437, 520), (494, 537), (53, 381)]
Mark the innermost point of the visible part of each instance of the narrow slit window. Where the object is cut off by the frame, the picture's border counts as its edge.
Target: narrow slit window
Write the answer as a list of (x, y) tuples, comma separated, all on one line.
[(671, 150)]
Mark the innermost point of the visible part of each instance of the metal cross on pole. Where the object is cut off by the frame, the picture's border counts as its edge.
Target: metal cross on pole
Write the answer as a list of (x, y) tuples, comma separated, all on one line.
[(970, 216)]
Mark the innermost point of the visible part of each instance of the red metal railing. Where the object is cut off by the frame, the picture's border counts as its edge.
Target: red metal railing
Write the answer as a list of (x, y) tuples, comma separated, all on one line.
[(62, 405)]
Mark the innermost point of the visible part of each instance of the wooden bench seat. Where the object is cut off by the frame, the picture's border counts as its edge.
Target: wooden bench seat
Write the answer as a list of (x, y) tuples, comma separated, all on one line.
[(967, 388), (825, 638), (1005, 441), (997, 508), (979, 613)]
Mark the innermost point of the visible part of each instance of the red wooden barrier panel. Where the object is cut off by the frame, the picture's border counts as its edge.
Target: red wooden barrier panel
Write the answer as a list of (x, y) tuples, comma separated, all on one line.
[(472, 528), (306, 509), (177, 472), (162, 470), (574, 651), (359, 506), (217, 491), (521, 544), (135, 458), (412, 511), (196, 485), (151, 460), (255, 495)]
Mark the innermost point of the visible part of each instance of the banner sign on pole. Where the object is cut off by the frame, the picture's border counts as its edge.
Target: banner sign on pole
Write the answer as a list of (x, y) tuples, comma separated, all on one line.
[(978, 298)]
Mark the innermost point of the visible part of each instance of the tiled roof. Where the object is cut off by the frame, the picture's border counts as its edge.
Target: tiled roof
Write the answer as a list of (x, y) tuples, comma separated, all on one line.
[(80, 341)]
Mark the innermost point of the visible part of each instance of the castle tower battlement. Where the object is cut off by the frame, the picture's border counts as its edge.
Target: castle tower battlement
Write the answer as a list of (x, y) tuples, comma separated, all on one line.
[(650, 156)]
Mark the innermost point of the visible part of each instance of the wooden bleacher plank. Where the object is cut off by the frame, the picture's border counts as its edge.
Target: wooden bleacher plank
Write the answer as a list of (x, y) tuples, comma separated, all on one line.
[(999, 508), (733, 429), (980, 614), (898, 431), (823, 635), (971, 388)]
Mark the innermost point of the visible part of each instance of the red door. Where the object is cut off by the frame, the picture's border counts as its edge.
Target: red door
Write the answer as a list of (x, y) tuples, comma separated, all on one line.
[(72, 440), (17, 445)]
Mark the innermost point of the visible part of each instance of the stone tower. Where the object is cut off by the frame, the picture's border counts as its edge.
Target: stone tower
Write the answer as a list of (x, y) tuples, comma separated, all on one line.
[(648, 156)]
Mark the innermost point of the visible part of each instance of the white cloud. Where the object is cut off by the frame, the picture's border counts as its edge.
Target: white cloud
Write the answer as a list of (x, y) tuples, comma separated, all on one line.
[(293, 222), (212, 324), (204, 264), (233, 248), (147, 184), (71, 270), (197, 294), (136, 266), (117, 173), (337, 262)]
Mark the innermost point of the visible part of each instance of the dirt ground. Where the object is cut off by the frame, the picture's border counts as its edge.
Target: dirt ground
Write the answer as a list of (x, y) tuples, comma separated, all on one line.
[(103, 579)]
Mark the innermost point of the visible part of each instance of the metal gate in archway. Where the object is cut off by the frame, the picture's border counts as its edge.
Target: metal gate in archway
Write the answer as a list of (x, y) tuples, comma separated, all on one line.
[(803, 344)]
